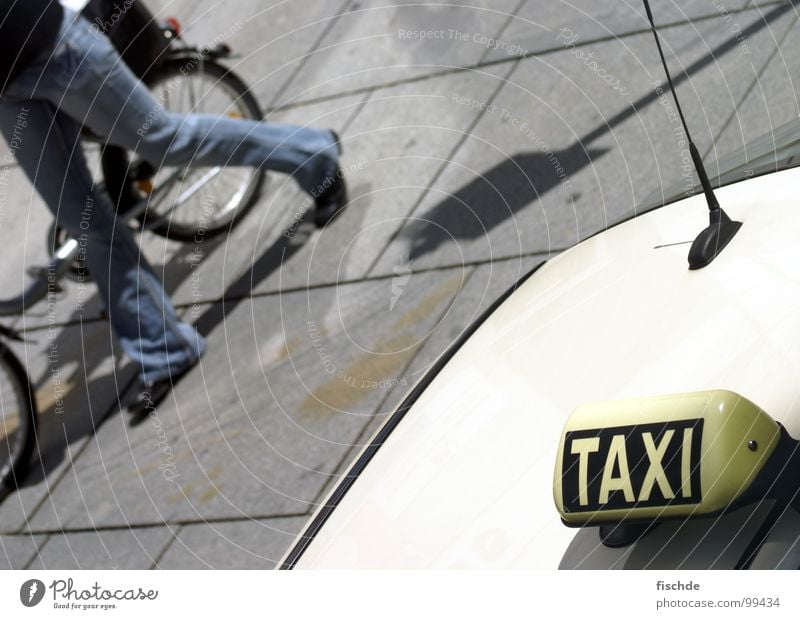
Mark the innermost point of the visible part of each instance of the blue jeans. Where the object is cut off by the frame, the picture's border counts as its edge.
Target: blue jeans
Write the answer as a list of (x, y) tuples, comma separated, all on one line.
[(83, 81)]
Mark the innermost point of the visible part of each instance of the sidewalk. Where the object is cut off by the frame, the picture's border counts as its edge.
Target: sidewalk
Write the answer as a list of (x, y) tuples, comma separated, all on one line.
[(479, 141)]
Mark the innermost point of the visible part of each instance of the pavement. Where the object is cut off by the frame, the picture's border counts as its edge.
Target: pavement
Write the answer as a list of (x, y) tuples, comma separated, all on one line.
[(480, 138)]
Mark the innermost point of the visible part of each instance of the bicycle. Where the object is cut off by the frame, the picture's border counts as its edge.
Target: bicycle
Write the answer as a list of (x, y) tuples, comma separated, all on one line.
[(169, 202), (183, 79)]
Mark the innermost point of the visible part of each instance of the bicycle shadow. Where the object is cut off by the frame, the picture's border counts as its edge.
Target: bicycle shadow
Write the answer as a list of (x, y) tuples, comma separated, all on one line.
[(99, 371), (287, 245)]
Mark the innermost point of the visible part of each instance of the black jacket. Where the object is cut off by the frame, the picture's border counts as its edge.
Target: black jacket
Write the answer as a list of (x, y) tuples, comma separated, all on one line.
[(26, 28)]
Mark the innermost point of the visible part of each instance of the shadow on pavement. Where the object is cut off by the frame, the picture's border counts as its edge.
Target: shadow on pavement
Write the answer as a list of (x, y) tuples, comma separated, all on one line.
[(505, 189), (494, 196), (288, 243), (88, 403)]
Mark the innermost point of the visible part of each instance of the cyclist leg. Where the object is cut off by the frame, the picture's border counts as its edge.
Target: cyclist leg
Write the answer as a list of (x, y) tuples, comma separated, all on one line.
[(48, 149), (105, 95)]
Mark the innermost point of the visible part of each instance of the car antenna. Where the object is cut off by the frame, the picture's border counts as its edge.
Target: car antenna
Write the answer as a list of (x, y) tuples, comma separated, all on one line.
[(711, 241)]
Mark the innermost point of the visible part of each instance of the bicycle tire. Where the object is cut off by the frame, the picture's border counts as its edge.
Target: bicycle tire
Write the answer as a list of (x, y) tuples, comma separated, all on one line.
[(14, 464), (115, 161)]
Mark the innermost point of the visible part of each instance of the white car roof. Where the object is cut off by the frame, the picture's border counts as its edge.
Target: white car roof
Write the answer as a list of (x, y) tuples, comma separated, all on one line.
[(465, 479)]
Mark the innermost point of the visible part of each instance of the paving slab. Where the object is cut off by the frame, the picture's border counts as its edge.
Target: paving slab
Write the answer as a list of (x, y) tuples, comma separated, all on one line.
[(773, 101), (563, 153), (482, 286), (541, 26), (205, 271), (760, 3), (286, 385), (26, 223), (271, 39), (247, 544), (77, 374), (133, 549), (393, 151), (17, 551), (376, 42)]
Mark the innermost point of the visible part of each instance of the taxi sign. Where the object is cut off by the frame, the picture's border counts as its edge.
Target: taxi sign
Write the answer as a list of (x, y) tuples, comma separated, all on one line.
[(660, 457)]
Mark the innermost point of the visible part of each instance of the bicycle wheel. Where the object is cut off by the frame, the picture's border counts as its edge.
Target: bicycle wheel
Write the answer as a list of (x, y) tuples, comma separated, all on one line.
[(186, 204), (17, 420)]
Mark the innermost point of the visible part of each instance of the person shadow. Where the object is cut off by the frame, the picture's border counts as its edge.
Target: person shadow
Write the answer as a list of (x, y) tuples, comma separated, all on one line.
[(499, 193), (490, 198), (77, 356)]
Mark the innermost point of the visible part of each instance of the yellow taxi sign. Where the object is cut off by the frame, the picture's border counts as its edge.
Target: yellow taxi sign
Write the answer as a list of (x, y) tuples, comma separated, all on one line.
[(660, 457)]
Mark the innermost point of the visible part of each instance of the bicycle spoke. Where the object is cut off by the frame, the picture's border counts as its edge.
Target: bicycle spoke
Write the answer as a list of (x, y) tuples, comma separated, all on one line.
[(193, 189), (179, 200), (192, 97)]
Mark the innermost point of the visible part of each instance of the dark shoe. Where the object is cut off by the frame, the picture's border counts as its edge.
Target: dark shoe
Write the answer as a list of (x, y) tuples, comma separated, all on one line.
[(333, 198), (149, 395)]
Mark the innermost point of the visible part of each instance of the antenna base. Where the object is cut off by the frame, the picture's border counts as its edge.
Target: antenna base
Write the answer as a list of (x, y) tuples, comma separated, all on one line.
[(711, 241)]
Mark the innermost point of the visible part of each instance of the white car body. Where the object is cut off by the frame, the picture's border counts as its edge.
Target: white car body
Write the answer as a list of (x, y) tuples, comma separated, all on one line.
[(465, 477)]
